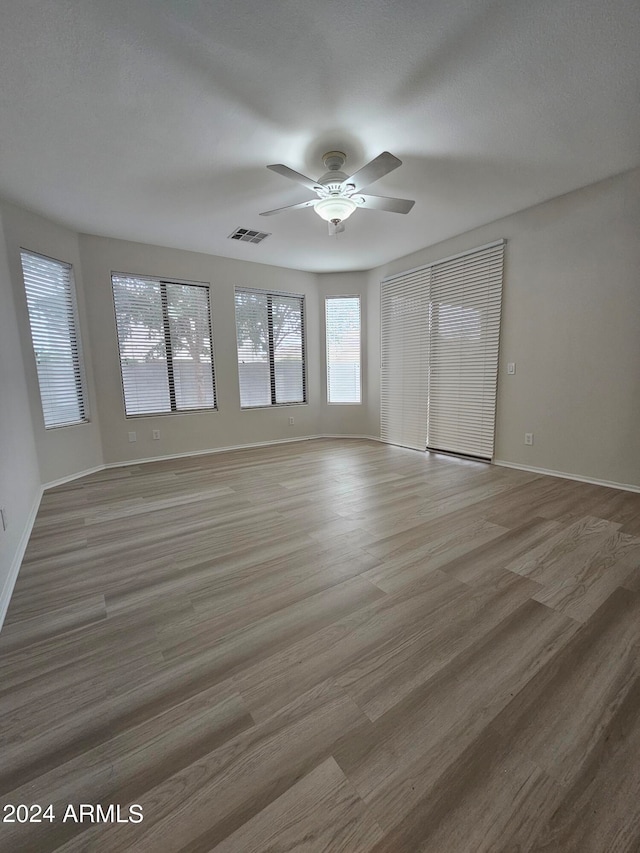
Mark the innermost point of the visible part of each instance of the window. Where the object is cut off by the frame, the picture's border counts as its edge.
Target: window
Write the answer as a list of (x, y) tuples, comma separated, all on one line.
[(165, 342), (52, 316), (342, 316), (440, 340), (271, 348)]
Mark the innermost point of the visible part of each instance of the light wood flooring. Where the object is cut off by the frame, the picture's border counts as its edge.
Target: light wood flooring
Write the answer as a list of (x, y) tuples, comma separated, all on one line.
[(326, 646)]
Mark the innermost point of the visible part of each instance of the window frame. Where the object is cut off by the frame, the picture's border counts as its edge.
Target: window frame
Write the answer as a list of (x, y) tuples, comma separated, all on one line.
[(358, 297), (271, 361), (163, 281), (75, 341)]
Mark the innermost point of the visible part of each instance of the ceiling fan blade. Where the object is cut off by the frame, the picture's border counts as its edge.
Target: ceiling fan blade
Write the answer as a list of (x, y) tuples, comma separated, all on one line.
[(335, 228), (377, 168), (290, 207), (286, 172), (393, 205)]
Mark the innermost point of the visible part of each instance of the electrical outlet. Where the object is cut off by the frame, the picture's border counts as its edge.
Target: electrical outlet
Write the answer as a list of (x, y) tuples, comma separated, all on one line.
[(528, 438), (133, 436), (156, 434), (3, 517), (291, 421), (511, 368)]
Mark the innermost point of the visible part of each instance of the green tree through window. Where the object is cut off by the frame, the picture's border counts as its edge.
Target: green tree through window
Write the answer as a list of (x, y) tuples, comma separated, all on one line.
[(271, 355), (164, 336)]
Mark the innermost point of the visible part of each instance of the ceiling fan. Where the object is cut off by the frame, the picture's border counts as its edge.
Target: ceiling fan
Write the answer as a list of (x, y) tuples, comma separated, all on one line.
[(338, 195)]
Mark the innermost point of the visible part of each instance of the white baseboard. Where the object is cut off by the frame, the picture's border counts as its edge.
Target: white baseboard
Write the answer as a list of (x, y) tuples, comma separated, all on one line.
[(123, 463), (70, 477), (360, 437), (226, 449), (12, 577), (229, 448), (627, 487)]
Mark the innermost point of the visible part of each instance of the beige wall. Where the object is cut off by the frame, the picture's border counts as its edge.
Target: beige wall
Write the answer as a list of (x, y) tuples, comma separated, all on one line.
[(67, 451), (183, 433), (571, 322), (19, 474)]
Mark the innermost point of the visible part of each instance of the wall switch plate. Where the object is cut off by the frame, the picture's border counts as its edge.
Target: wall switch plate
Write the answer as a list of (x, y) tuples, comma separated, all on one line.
[(511, 367), (133, 436), (156, 434), (291, 421), (3, 517), (528, 438)]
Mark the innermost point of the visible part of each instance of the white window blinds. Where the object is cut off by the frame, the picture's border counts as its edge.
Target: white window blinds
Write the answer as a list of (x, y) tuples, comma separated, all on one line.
[(271, 348), (52, 317), (342, 324), (440, 337), (466, 297), (165, 343), (404, 319)]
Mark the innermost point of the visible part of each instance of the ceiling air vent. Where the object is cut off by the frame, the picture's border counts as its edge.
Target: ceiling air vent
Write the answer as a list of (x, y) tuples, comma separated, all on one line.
[(247, 236)]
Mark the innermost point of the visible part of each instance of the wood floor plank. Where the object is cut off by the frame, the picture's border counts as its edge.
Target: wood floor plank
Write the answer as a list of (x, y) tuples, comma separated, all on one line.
[(326, 645), (580, 590), (559, 718), (570, 546), (409, 563), (378, 681), (26, 632), (501, 551), (47, 742), (442, 716), (599, 810), (320, 814), (548, 497), (201, 805), (265, 635), (381, 630), (127, 765), (491, 798)]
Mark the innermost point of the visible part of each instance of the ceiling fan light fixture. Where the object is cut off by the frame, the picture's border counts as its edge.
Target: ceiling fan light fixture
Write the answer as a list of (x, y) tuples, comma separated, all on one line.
[(335, 208)]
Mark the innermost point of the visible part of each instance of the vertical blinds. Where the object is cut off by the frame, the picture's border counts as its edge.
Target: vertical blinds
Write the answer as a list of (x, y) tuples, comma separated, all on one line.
[(52, 317), (450, 350), (271, 348), (165, 343), (342, 323)]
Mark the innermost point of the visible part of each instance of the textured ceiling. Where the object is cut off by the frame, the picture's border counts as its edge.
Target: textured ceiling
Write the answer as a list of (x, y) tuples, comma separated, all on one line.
[(153, 120)]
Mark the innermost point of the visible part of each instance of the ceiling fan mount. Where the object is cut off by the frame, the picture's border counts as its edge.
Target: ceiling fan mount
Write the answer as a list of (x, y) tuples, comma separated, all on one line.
[(339, 194), (334, 160), (333, 163)]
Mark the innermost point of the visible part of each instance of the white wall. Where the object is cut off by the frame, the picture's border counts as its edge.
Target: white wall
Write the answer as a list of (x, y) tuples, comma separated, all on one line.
[(61, 452), (19, 474), (183, 433), (571, 322)]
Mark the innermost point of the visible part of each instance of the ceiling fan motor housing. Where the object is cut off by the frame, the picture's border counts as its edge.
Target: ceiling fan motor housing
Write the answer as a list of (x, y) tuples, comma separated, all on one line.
[(333, 180)]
